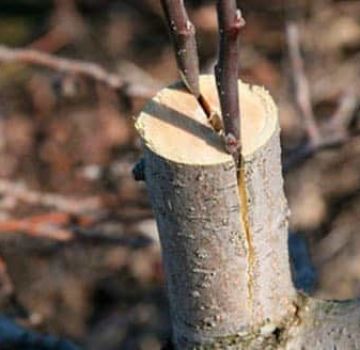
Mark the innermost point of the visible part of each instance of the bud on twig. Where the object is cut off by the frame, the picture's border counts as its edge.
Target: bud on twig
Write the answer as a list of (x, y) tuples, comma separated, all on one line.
[(227, 71)]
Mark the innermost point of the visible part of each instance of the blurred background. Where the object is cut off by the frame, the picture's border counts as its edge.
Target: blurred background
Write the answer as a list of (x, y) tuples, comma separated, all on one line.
[(79, 253)]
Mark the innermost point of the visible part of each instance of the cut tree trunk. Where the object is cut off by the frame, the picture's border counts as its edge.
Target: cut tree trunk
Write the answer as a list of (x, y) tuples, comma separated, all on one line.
[(223, 233)]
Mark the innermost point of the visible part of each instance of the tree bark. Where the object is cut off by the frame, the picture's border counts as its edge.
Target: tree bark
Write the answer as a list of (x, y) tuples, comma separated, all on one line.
[(223, 236), (323, 325)]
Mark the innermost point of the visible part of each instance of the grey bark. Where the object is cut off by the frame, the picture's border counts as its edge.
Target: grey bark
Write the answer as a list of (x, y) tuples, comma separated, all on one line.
[(324, 325), (224, 239)]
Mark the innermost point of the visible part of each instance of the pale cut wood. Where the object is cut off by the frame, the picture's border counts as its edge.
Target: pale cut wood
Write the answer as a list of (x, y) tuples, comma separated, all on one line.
[(175, 126), (224, 246)]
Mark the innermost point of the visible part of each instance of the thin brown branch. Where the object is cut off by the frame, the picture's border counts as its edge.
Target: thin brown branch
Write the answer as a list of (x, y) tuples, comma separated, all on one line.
[(184, 41), (183, 37), (307, 150), (42, 229), (336, 133), (55, 225), (301, 84), (227, 72), (21, 193), (76, 67), (344, 113), (67, 26)]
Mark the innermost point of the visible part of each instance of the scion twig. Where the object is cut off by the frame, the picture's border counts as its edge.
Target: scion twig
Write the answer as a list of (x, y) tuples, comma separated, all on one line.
[(227, 71), (183, 37), (184, 41)]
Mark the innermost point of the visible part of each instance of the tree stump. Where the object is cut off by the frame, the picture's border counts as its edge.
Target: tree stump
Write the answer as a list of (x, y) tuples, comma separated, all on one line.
[(223, 233)]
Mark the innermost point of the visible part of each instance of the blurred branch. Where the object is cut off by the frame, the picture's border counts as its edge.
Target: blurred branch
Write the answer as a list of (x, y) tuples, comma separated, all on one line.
[(63, 227), (77, 67), (183, 37), (49, 226), (67, 25), (68, 205), (301, 84), (306, 150), (337, 132), (227, 72), (342, 117)]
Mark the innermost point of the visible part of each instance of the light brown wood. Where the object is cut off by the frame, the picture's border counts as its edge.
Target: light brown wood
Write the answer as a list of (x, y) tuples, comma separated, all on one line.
[(224, 243)]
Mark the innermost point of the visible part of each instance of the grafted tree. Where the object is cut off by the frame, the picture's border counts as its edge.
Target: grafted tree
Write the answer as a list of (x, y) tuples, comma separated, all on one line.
[(221, 212)]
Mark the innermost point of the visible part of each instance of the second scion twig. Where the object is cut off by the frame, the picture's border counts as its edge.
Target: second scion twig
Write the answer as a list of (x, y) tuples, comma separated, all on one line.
[(227, 71), (183, 38), (184, 41)]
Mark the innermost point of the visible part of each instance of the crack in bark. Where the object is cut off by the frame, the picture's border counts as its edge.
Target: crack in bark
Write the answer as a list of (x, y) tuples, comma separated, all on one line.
[(244, 216)]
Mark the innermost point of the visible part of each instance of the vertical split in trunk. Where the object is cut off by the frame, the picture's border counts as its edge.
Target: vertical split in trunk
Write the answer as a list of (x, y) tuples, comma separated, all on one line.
[(224, 241)]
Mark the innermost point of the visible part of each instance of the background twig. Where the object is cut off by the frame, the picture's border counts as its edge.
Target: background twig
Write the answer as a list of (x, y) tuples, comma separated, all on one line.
[(336, 132), (76, 206), (77, 67), (344, 113), (183, 37), (301, 84)]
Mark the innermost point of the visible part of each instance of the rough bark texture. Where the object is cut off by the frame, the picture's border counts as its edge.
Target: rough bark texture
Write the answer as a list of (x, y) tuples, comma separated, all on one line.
[(264, 213), (224, 244), (224, 239), (324, 325), (204, 250)]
